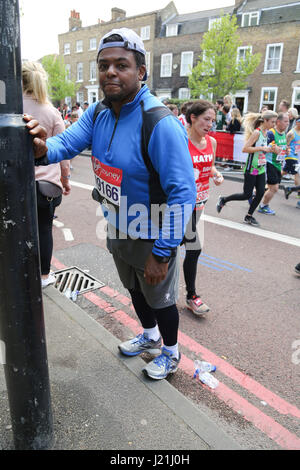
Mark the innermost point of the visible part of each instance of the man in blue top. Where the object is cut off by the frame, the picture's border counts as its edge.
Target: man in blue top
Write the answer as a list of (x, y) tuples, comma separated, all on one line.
[(144, 250)]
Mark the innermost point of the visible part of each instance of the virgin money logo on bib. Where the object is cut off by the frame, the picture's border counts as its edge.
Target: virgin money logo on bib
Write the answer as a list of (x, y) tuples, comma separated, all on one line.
[(108, 173)]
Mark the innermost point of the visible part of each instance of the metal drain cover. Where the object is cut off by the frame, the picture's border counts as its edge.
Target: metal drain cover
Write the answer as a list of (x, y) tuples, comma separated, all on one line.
[(75, 280)]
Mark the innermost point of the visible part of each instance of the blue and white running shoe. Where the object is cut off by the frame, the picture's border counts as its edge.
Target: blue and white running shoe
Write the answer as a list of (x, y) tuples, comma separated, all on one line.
[(266, 210), (141, 343), (162, 365)]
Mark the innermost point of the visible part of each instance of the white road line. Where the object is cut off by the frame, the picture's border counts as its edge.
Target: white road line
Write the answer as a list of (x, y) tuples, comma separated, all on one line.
[(253, 230), (68, 234), (233, 225), (58, 224), (2, 353), (82, 185)]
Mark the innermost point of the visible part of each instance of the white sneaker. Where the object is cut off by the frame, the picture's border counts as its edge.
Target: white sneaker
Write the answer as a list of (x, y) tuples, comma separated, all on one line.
[(49, 280)]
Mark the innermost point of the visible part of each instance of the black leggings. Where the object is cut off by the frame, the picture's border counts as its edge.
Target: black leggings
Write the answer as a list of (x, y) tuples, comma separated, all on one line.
[(45, 221), (250, 182), (166, 318), (190, 271), (192, 244)]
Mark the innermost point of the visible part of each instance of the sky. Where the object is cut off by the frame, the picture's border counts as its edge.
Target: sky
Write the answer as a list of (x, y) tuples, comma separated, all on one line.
[(42, 20)]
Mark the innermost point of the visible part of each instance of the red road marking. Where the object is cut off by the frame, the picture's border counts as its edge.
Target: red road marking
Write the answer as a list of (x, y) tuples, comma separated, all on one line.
[(268, 425), (273, 400), (264, 423)]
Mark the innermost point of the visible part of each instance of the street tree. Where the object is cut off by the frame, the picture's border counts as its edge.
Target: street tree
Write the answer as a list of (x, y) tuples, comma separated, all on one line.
[(222, 68), (60, 85)]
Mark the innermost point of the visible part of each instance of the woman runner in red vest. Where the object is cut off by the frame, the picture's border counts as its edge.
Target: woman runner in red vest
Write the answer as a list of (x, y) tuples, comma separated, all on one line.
[(200, 116)]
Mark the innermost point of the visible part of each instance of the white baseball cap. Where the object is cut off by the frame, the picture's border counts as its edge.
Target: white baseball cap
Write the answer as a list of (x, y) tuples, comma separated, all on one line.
[(130, 41)]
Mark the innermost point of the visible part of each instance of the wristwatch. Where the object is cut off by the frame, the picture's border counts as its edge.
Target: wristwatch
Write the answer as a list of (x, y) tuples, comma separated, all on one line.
[(161, 259)]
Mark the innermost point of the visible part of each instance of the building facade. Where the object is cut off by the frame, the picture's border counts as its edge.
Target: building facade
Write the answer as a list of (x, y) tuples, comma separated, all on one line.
[(172, 41), (79, 46)]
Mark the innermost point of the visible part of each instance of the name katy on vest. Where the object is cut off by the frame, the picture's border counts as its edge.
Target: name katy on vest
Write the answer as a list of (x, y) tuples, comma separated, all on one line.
[(202, 158)]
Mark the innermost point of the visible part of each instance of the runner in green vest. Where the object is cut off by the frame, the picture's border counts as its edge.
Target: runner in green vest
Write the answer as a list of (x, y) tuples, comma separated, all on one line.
[(277, 139), (256, 127)]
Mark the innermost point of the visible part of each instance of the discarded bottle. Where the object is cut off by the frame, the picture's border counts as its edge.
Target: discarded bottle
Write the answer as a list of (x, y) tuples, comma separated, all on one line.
[(203, 369), (202, 366), (207, 379)]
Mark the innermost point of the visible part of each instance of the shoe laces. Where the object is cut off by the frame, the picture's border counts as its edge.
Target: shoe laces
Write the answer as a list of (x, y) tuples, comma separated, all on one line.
[(163, 359), (196, 299), (141, 338)]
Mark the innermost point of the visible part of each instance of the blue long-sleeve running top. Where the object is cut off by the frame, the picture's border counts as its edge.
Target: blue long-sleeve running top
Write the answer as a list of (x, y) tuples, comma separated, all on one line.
[(121, 176)]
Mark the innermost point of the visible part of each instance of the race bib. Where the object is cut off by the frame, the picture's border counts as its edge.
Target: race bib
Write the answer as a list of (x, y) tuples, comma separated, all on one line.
[(108, 182), (202, 192), (281, 156), (262, 159)]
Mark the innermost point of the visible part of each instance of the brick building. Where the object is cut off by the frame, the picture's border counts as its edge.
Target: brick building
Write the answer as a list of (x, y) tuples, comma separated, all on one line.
[(172, 41), (79, 45)]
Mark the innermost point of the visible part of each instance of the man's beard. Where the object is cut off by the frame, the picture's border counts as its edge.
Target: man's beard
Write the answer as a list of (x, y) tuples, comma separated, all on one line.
[(115, 97)]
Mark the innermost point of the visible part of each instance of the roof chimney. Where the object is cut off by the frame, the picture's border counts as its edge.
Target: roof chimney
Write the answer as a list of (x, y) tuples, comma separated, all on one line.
[(74, 20), (117, 14)]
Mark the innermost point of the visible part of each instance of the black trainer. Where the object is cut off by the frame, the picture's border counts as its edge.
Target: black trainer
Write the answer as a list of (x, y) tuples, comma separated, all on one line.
[(297, 268), (220, 204), (249, 219)]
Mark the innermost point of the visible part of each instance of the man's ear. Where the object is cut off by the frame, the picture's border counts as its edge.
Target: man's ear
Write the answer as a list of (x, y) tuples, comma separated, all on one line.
[(142, 71)]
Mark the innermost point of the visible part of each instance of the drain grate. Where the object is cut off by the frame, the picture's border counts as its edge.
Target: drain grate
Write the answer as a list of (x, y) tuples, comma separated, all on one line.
[(75, 281)]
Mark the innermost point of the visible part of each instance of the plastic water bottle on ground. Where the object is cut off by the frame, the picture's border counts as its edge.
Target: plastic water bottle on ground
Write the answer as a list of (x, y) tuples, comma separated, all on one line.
[(207, 379), (203, 369), (202, 366)]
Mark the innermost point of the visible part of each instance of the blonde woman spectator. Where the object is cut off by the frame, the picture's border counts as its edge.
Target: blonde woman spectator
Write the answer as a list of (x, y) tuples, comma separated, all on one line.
[(53, 180), (236, 121)]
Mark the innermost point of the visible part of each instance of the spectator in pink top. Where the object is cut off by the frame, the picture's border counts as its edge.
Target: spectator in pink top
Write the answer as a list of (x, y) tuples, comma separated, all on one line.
[(53, 180)]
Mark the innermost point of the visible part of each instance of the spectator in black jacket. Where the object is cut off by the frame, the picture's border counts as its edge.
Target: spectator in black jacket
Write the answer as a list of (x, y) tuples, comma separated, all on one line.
[(236, 121)]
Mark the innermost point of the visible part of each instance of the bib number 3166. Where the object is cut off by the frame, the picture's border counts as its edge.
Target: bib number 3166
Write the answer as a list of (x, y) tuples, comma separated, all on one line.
[(108, 181)]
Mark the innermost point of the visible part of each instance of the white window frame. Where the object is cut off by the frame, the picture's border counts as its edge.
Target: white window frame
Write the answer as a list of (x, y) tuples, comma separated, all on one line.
[(80, 97), (212, 21), (167, 73), (184, 94), (183, 71), (245, 48), (79, 45), (68, 71), (148, 62), (242, 94), (68, 101), (79, 72), (145, 32), (298, 61), (172, 30), (262, 101), (67, 48), (278, 44), (296, 90), (93, 71), (93, 92), (251, 14), (93, 44)]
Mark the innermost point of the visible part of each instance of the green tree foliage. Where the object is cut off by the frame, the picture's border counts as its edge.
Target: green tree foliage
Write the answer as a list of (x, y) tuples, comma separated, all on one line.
[(59, 85), (218, 71)]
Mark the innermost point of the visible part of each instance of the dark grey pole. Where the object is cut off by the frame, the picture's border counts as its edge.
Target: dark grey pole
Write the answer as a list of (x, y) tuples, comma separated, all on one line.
[(22, 332)]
